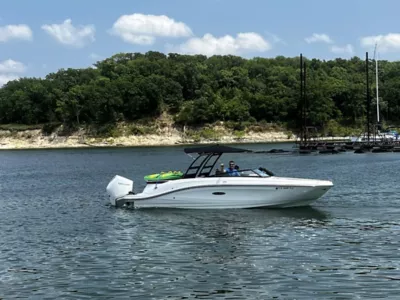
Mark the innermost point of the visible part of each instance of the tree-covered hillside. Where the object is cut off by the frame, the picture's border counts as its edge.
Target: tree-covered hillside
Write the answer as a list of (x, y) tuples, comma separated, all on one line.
[(197, 90)]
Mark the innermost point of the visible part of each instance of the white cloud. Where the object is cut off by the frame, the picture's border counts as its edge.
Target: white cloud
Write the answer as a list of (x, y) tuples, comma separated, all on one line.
[(348, 49), (67, 34), (276, 39), (4, 78), (142, 29), (11, 66), (316, 37), (139, 39), (18, 32), (9, 70), (210, 45), (386, 43)]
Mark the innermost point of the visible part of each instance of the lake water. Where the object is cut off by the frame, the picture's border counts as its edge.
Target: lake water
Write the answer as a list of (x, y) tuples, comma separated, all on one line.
[(61, 240)]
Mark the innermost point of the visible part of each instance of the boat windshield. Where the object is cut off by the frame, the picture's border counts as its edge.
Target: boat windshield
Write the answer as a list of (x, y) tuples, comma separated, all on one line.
[(245, 173), (261, 173)]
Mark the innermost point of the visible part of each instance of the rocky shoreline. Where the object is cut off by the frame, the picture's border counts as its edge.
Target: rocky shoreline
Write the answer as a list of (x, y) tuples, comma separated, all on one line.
[(34, 139)]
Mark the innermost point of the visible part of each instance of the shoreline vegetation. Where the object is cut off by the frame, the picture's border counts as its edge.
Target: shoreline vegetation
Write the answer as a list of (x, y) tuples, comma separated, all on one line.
[(139, 99)]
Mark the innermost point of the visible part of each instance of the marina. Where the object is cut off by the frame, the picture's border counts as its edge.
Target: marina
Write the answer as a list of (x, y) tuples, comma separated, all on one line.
[(375, 139)]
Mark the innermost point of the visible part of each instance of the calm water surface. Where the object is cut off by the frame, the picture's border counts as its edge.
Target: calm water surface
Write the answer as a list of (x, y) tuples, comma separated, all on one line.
[(60, 239)]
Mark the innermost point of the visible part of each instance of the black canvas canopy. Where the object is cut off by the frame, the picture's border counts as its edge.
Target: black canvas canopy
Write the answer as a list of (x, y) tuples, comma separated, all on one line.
[(215, 149)]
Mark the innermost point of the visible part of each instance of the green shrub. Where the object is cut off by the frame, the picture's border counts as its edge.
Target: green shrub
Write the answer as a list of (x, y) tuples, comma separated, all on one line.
[(67, 129), (236, 126), (239, 134), (49, 128), (141, 130), (208, 134), (334, 128), (202, 134), (20, 127), (106, 130)]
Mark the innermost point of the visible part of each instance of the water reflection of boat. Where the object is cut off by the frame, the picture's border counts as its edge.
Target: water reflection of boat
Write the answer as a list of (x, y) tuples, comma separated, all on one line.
[(201, 188), (239, 216)]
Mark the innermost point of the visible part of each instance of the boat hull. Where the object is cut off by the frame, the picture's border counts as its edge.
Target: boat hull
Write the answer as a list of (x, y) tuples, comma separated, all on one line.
[(229, 197)]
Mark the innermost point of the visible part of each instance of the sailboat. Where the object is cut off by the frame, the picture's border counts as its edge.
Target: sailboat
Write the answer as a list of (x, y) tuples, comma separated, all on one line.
[(378, 135)]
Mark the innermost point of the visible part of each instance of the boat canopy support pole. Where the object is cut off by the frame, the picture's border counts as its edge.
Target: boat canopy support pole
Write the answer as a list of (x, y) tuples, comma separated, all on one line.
[(203, 165)]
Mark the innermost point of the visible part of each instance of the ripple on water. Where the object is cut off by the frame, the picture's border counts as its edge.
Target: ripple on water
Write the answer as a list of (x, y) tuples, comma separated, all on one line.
[(59, 240)]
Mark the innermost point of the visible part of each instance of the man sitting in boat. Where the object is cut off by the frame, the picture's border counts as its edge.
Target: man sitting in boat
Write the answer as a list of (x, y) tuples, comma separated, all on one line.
[(232, 170)]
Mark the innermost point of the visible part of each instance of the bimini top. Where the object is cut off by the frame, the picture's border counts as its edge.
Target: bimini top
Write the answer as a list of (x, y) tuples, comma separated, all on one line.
[(216, 149)]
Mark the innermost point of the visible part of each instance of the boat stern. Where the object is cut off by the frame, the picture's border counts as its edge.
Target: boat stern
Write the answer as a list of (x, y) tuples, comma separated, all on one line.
[(118, 187)]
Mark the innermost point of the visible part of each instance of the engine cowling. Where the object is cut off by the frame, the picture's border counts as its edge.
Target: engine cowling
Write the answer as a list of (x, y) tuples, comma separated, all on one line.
[(118, 187)]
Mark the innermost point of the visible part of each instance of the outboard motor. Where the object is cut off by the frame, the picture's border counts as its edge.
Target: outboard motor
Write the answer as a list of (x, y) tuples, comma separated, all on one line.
[(118, 187)]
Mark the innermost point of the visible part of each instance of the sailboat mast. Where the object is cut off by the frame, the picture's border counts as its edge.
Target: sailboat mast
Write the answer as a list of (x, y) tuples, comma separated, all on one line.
[(368, 99), (377, 82)]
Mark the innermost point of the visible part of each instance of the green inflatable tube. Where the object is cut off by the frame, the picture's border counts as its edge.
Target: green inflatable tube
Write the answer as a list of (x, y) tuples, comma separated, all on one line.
[(171, 175)]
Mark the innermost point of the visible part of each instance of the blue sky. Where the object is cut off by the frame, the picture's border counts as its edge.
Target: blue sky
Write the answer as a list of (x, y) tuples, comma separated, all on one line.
[(42, 36)]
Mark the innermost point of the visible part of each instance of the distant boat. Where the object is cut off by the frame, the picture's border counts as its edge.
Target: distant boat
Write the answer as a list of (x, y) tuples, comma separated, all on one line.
[(388, 135)]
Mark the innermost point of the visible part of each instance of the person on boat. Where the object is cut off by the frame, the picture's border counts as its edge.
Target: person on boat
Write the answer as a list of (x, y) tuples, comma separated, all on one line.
[(233, 169)]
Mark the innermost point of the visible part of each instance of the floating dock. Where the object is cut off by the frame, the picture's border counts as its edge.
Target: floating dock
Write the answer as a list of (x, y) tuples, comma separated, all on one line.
[(373, 140)]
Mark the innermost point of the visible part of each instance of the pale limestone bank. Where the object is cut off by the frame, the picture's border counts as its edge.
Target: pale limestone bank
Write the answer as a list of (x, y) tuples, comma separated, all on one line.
[(35, 139)]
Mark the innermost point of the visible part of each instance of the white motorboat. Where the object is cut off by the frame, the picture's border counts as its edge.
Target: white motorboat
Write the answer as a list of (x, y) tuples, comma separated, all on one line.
[(201, 188), (388, 135)]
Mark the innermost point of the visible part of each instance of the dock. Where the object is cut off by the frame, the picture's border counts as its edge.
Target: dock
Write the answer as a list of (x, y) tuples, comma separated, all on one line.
[(374, 139)]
